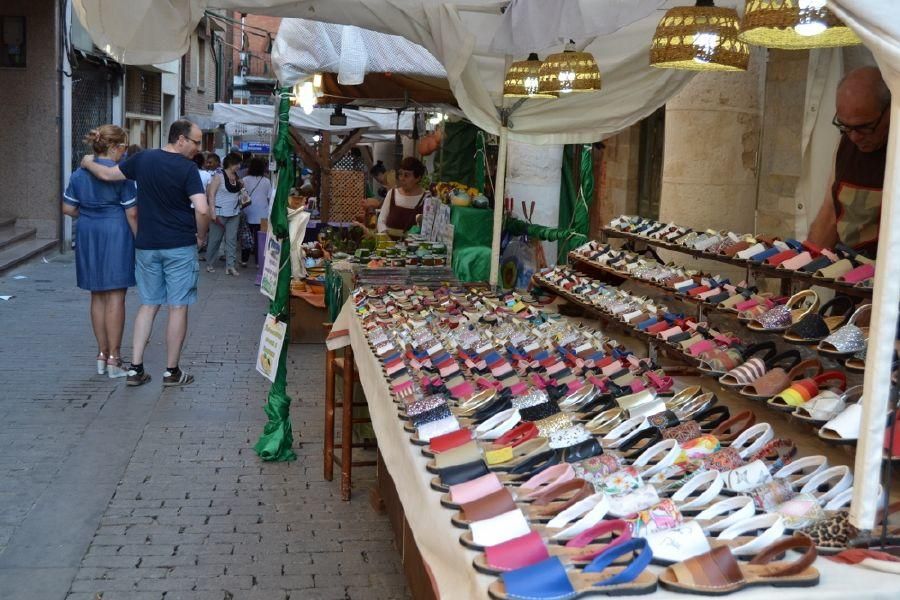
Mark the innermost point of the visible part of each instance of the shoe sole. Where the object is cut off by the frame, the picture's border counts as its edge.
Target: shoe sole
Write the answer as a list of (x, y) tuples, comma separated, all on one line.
[(137, 383), (188, 381)]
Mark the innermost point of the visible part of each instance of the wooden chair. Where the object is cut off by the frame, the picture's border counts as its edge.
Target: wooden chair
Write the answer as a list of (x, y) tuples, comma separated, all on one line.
[(344, 367)]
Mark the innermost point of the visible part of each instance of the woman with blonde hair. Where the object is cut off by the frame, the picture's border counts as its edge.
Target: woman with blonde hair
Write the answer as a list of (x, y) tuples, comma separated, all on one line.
[(104, 249)]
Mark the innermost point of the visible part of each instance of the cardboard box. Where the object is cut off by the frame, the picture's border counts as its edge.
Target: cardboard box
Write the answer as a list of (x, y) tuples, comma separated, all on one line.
[(306, 322)]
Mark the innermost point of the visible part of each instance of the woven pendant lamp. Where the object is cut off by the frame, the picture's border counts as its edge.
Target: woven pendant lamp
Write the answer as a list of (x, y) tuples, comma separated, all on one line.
[(569, 71), (794, 25), (521, 80), (699, 38)]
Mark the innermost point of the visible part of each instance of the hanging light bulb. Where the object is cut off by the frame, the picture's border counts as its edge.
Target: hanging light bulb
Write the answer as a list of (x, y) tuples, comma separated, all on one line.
[(306, 97), (812, 19), (522, 79), (569, 71), (794, 25), (702, 37)]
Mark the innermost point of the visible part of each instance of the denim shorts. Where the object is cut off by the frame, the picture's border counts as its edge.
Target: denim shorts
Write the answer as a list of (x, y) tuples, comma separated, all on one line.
[(168, 276)]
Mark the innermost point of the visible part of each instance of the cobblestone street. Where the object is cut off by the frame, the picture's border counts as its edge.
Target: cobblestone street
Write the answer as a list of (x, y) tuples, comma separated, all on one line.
[(109, 492)]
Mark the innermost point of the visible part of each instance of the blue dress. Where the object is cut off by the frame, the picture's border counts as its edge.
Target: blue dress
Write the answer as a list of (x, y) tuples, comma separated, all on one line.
[(104, 244)]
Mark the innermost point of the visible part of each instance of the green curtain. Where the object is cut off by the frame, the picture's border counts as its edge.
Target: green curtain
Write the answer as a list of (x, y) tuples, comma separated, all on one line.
[(573, 204), (455, 159), (277, 438)]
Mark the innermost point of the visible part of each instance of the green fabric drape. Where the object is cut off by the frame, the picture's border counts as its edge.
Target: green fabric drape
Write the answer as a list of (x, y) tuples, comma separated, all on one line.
[(480, 161), (455, 161), (573, 207), (277, 438), (515, 226)]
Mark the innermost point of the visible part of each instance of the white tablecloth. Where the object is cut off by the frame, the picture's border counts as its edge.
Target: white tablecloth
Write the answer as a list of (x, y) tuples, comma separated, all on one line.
[(438, 540)]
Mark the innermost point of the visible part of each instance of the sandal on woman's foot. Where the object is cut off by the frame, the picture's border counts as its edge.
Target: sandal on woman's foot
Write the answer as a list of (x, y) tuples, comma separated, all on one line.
[(177, 377), (210, 269), (101, 363), (114, 367)]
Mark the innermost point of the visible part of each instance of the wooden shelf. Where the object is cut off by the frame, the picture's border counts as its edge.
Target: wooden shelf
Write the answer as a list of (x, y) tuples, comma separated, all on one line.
[(760, 270)]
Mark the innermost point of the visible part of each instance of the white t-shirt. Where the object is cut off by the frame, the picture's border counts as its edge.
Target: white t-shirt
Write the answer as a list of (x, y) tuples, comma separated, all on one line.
[(401, 199), (260, 189)]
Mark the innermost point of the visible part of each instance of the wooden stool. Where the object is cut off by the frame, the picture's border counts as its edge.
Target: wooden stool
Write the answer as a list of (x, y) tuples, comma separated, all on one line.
[(344, 366)]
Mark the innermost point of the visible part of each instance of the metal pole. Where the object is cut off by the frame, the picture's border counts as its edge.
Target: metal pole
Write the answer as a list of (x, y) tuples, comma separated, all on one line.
[(499, 194)]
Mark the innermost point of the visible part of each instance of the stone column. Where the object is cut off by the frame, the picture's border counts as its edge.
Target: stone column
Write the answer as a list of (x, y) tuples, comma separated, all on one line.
[(712, 134), (534, 174)]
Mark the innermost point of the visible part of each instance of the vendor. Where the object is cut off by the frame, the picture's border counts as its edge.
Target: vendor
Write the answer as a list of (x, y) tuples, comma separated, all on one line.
[(403, 203), (852, 208)]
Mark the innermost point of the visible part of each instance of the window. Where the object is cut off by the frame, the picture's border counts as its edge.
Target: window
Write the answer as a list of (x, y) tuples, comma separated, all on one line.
[(12, 42), (201, 64)]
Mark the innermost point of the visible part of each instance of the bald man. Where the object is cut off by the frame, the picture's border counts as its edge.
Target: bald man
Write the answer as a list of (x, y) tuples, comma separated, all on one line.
[(852, 206)]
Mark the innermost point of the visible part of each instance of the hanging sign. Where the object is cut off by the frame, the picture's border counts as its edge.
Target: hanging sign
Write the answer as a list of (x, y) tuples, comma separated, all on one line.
[(270, 343), (271, 267)]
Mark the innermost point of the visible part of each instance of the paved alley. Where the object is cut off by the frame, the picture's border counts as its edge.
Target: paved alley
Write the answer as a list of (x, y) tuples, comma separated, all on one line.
[(109, 492)]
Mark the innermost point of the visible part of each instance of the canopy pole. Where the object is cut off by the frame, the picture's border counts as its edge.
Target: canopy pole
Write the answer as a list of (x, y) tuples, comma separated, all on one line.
[(879, 355), (499, 195)]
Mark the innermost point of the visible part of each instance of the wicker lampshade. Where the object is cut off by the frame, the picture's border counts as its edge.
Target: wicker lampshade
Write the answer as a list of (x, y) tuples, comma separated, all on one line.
[(522, 79), (699, 38), (569, 71), (772, 23)]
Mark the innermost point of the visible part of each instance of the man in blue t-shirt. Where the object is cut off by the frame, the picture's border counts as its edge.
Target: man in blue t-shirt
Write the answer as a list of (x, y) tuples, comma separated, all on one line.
[(173, 217)]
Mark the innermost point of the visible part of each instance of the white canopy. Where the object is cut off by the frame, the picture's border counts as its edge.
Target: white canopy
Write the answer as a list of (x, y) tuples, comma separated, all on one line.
[(372, 120), (459, 35)]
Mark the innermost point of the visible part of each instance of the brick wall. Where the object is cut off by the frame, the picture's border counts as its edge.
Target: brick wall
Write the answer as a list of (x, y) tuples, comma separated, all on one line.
[(29, 107), (200, 74), (257, 43)]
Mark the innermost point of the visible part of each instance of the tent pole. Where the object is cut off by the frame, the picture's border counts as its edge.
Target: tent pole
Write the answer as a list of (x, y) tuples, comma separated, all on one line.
[(499, 195), (882, 332)]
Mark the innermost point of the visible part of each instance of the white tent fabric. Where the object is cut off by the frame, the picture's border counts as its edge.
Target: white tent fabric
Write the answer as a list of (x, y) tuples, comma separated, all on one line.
[(303, 47), (878, 24), (372, 120)]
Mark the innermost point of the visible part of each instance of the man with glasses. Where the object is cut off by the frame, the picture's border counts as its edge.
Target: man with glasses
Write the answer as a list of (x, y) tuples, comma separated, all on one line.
[(852, 208), (173, 217)]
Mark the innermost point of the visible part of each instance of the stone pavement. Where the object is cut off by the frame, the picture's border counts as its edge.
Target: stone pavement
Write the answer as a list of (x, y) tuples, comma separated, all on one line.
[(109, 492)]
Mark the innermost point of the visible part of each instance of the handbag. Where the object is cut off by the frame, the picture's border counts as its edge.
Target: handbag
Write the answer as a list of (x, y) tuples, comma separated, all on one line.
[(244, 233), (244, 199)]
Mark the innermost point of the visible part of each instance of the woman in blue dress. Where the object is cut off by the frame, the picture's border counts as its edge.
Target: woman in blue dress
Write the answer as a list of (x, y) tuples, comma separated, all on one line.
[(104, 243)]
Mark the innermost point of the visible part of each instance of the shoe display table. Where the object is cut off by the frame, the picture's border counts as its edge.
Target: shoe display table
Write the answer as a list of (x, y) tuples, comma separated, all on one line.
[(425, 524)]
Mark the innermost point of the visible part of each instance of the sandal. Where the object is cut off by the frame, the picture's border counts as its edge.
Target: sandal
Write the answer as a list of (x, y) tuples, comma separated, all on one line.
[(785, 315), (850, 338), (550, 579), (816, 326), (778, 378), (718, 573)]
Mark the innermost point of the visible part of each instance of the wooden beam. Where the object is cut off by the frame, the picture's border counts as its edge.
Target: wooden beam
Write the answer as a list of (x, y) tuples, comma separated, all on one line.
[(352, 138), (325, 175), (366, 153), (307, 152)]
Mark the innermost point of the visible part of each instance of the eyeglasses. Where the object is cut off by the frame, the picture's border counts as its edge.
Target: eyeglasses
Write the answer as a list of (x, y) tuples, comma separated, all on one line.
[(198, 142), (864, 129)]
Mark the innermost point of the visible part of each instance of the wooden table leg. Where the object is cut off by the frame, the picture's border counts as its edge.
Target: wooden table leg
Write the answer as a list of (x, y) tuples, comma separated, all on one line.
[(328, 452), (347, 424)]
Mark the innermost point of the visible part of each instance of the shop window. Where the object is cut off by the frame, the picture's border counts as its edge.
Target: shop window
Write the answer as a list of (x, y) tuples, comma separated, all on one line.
[(650, 163), (12, 42), (143, 92)]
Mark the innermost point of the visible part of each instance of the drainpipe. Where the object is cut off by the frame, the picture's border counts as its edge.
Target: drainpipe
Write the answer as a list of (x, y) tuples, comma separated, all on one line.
[(63, 23)]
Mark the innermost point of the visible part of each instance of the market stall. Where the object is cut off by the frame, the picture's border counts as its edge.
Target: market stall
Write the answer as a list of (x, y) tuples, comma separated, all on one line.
[(426, 369)]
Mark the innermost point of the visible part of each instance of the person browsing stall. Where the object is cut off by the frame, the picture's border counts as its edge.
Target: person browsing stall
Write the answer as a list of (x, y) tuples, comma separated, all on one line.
[(851, 211), (104, 252), (403, 203), (173, 217)]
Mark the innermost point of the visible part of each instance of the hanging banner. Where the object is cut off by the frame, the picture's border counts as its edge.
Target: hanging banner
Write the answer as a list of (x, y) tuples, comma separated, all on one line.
[(270, 343), (271, 267)]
